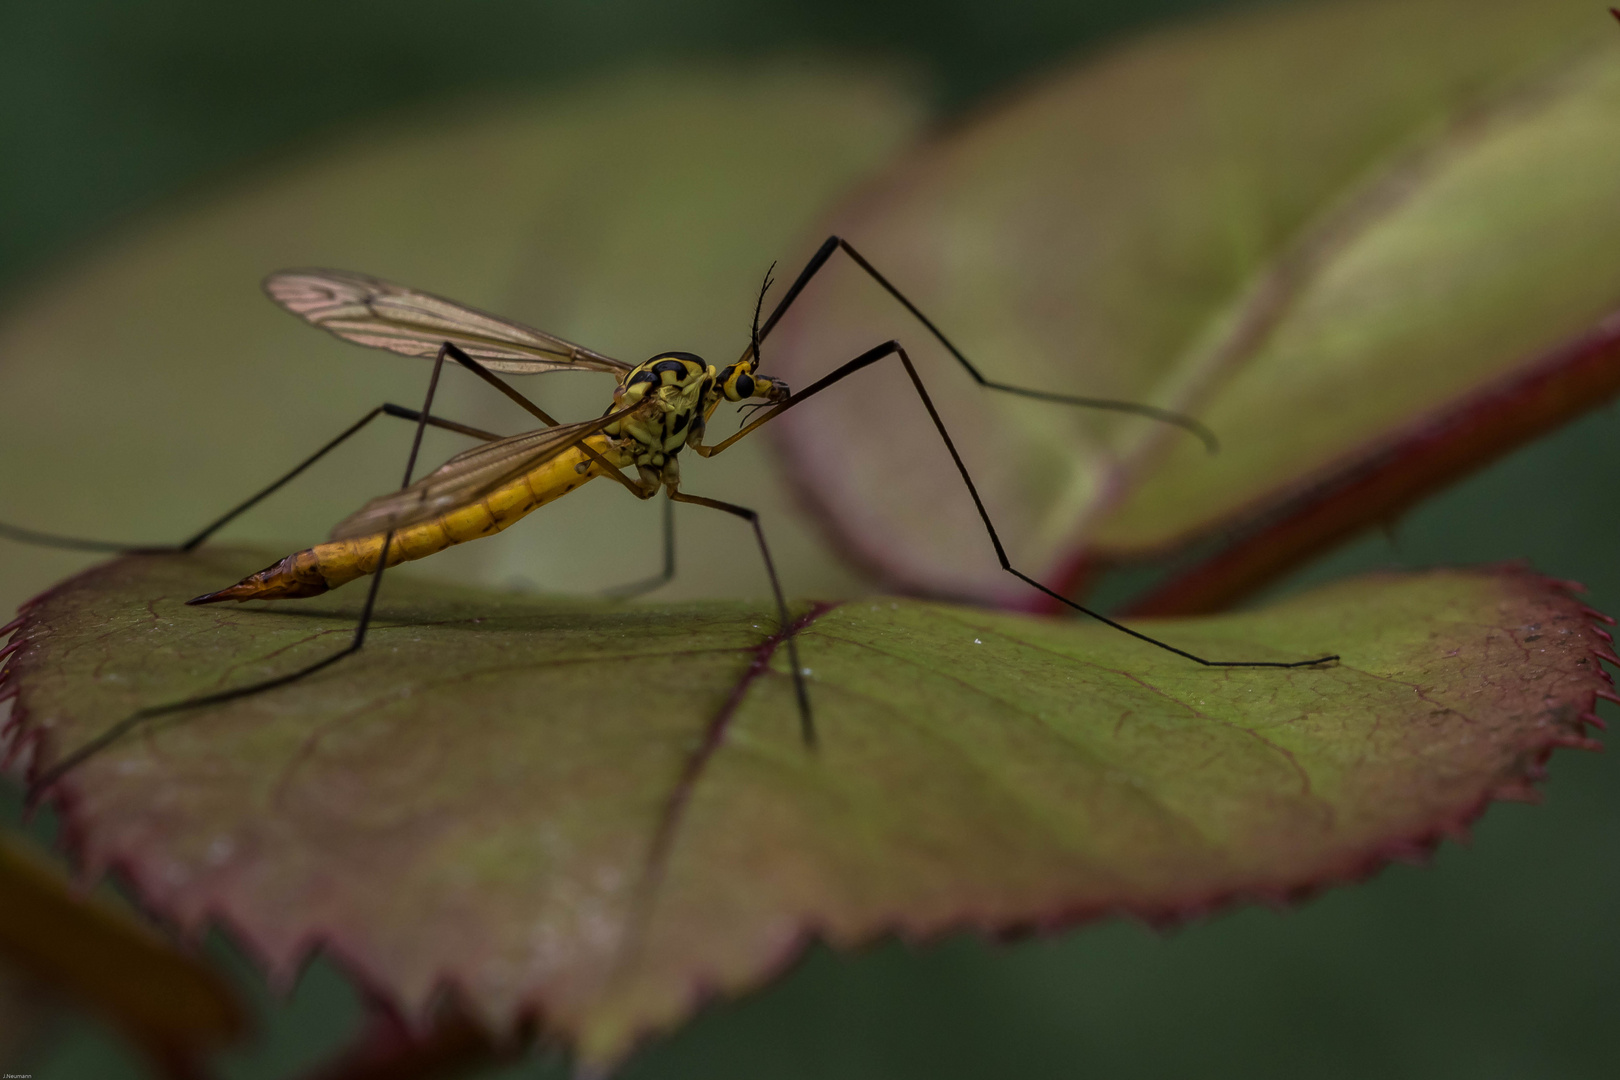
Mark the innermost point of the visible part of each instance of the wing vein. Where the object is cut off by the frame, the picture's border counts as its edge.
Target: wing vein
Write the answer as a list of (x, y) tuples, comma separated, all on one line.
[(469, 476), (382, 315)]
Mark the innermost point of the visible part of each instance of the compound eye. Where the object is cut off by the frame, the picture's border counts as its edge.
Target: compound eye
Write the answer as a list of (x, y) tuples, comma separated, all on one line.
[(744, 387)]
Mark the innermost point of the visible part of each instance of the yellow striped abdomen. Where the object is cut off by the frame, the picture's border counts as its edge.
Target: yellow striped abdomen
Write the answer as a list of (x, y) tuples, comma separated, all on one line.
[(326, 566)]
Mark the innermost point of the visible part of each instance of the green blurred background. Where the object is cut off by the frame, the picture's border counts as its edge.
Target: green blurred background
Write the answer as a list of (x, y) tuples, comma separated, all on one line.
[(1500, 960)]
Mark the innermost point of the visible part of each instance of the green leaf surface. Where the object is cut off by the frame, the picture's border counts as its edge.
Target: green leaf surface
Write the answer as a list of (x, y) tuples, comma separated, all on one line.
[(1323, 229), (601, 814)]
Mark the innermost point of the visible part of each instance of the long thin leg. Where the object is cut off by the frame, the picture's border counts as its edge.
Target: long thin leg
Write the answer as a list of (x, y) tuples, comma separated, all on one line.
[(836, 243), (892, 348), (646, 585), (31, 536), (807, 725), (38, 538), (129, 723)]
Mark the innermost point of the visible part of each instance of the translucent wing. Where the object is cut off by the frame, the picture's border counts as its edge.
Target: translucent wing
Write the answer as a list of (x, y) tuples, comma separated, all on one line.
[(468, 477), (382, 315)]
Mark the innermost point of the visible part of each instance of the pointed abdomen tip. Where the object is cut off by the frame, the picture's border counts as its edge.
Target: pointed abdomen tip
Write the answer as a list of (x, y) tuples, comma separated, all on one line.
[(279, 581)]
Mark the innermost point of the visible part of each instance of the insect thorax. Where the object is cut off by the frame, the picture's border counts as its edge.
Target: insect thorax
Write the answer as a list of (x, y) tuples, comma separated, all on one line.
[(681, 384), (686, 390)]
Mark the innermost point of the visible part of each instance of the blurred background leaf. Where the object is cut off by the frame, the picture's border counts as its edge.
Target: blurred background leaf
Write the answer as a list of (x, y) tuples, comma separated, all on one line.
[(1502, 961), (68, 944), (1316, 229)]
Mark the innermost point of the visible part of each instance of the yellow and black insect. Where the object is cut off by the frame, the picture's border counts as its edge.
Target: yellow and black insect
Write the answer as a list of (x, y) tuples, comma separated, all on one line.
[(659, 408)]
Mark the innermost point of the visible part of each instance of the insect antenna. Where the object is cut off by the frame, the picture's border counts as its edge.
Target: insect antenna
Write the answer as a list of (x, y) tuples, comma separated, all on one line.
[(759, 304)]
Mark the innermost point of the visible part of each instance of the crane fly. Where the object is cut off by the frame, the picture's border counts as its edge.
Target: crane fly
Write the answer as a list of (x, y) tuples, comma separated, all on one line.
[(659, 407)]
